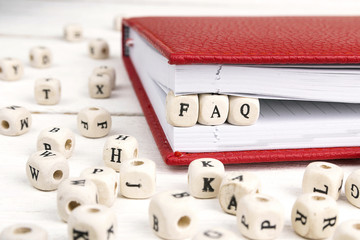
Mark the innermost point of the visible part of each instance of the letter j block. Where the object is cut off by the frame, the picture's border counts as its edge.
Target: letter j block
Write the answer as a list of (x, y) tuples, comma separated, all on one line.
[(182, 111)]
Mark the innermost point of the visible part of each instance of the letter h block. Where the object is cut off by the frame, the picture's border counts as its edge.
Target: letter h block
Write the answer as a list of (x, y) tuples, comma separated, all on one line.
[(204, 177)]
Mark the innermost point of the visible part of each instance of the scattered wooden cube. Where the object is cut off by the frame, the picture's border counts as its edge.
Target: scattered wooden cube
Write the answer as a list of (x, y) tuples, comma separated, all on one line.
[(73, 32), (182, 111), (24, 231), (47, 91), (314, 216), (348, 230), (40, 57), (352, 188), (216, 233), (110, 71), (14, 120), (213, 109), (100, 86), (99, 49), (243, 111), (11, 69), (94, 122)]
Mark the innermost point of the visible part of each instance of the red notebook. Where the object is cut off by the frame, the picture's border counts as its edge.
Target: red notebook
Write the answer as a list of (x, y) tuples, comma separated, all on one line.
[(245, 40)]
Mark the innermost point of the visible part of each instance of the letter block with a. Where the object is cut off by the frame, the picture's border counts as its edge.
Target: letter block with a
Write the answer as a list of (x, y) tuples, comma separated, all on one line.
[(172, 215), (94, 122), (260, 216), (106, 181), (323, 177), (204, 177), (99, 86), (40, 57), (119, 148), (24, 231), (348, 230), (213, 109), (99, 49), (74, 192), (182, 111), (314, 216), (243, 111), (138, 178), (47, 169), (47, 91), (234, 186), (352, 188), (92, 222), (14, 120), (11, 69)]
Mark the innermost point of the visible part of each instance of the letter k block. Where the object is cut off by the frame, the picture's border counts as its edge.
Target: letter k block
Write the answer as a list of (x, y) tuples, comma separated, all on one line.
[(182, 111)]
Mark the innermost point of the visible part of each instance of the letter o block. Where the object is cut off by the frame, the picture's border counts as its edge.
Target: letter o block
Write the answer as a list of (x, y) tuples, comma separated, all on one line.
[(213, 109), (314, 216), (260, 216), (348, 230), (204, 177), (14, 120), (243, 111), (170, 222), (352, 188), (323, 177), (11, 69), (23, 231), (182, 111), (94, 122)]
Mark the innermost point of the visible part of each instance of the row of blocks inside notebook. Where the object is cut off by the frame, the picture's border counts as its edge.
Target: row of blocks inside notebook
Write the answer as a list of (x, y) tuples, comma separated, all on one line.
[(211, 109)]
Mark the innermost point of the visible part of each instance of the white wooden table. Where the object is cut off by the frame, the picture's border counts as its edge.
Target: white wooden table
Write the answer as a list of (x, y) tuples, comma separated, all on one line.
[(24, 24)]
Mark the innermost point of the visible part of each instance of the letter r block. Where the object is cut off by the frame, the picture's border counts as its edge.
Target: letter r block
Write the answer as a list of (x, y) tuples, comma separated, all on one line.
[(182, 111)]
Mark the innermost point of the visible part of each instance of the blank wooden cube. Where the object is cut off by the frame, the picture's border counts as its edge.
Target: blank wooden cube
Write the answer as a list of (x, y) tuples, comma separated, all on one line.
[(119, 148), (323, 177), (92, 222), (106, 181), (94, 122), (110, 71), (314, 216), (24, 231), (14, 120), (216, 233), (204, 177), (99, 49), (243, 111), (40, 57), (73, 32), (348, 230), (172, 215), (47, 91), (352, 188), (260, 216), (234, 186), (100, 86), (117, 24), (11, 69), (213, 109), (74, 192), (182, 111), (58, 139), (138, 178), (47, 169)]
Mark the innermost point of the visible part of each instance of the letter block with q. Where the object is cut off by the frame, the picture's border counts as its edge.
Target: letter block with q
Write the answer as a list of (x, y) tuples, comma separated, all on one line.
[(182, 111)]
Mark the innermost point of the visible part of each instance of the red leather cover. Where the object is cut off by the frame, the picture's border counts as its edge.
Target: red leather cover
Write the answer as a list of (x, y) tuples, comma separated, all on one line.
[(253, 40)]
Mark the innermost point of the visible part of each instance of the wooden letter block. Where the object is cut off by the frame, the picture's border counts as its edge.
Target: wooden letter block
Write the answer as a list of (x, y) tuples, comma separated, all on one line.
[(119, 148), (74, 192), (92, 222), (94, 122), (323, 177), (213, 109), (172, 215), (100, 86), (40, 57), (106, 181), (47, 91), (260, 216), (110, 71), (14, 120), (11, 69), (118, 22), (24, 231), (47, 169), (348, 230), (314, 216), (243, 111), (352, 188), (59, 139), (204, 177), (138, 178), (216, 233), (99, 49), (182, 111), (73, 32), (234, 186)]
